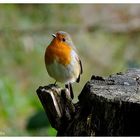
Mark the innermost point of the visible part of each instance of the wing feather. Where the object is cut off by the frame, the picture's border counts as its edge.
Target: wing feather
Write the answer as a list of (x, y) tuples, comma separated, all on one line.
[(74, 53)]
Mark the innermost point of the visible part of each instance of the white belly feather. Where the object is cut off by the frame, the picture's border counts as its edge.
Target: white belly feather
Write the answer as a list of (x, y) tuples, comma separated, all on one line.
[(65, 74)]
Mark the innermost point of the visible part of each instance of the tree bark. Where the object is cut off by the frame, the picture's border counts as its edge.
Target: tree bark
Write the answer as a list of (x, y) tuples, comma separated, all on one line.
[(106, 107)]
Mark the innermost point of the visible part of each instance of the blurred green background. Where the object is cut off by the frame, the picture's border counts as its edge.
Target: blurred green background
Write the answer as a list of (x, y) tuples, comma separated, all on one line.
[(107, 37)]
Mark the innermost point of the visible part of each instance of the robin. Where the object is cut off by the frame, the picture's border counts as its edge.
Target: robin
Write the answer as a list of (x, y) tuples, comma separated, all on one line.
[(62, 61)]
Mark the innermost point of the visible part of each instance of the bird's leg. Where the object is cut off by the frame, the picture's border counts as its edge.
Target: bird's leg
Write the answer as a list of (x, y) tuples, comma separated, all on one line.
[(69, 87), (71, 91), (55, 83)]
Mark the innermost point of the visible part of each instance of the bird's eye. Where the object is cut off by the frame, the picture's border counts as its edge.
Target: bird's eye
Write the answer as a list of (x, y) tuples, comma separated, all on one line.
[(63, 39)]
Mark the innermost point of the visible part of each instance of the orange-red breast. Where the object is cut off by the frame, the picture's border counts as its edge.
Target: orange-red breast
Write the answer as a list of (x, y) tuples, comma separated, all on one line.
[(62, 61)]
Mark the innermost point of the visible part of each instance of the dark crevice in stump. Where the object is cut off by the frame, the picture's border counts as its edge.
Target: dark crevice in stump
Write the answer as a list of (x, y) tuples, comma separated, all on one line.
[(107, 106)]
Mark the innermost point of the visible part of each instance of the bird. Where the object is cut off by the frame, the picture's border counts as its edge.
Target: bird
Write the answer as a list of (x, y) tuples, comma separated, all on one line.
[(62, 61)]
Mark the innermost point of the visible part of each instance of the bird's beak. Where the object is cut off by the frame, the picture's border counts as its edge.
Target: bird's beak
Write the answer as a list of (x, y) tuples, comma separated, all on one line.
[(54, 35)]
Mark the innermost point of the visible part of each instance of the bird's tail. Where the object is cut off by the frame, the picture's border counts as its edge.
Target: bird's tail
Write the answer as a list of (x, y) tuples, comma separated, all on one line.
[(69, 87)]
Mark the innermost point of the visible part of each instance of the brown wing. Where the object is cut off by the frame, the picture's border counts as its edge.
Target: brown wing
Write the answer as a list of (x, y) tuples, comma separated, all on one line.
[(81, 66), (81, 71), (80, 63)]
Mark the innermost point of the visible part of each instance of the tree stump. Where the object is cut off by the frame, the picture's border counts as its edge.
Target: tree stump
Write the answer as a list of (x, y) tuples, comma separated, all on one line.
[(106, 107)]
